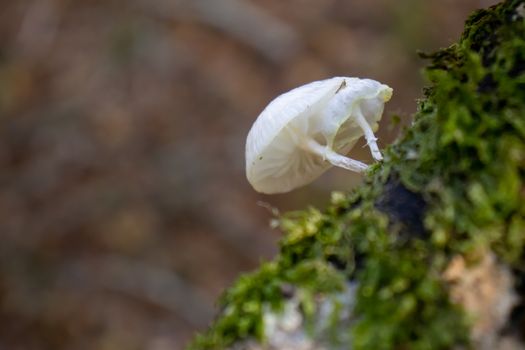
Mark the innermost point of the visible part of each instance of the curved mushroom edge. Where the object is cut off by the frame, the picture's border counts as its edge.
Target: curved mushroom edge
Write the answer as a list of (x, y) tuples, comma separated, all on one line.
[(369, 95), (463, 161)]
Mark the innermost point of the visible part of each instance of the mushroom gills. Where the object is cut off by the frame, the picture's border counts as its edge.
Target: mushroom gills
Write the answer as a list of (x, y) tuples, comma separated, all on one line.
[(294, 163), (355, 106)]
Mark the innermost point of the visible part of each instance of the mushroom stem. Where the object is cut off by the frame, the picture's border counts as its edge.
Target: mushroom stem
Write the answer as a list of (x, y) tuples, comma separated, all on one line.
[(334, 158), (369, 134)]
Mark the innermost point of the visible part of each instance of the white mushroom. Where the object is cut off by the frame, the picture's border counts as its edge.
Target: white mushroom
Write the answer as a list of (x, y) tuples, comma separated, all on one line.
[(305, 131)]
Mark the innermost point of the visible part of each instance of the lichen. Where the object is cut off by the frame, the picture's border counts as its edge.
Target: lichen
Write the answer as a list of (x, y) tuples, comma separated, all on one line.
[(462, 160), (485, 289)]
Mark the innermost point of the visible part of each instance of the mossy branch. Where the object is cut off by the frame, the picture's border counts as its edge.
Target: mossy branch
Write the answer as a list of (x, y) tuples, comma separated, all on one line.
[(448, 199)]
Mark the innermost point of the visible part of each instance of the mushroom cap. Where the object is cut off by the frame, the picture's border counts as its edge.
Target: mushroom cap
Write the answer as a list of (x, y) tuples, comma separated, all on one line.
[(276, 159)]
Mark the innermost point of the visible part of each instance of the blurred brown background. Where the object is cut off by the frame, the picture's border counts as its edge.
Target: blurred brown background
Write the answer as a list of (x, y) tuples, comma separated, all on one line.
[(124, 209)]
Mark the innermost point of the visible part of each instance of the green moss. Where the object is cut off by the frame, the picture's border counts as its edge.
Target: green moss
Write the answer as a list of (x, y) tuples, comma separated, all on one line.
[(469, 137), (243, 304), (464, 157)]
